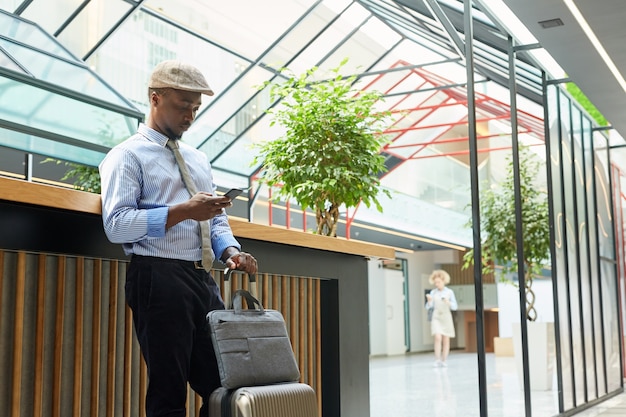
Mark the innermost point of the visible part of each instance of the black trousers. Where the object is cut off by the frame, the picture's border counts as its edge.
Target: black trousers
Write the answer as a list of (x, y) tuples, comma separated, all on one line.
[(170, 300)]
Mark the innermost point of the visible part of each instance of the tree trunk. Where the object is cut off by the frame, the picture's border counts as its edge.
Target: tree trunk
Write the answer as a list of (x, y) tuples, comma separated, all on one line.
[(531, 313), (327, 221)]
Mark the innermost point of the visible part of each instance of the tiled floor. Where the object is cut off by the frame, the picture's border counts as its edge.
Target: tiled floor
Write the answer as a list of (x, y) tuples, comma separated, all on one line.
[(409, 386)]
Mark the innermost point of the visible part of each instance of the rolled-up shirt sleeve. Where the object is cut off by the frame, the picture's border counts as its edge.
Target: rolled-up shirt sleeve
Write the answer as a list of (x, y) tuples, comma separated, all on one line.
[(222, 236)]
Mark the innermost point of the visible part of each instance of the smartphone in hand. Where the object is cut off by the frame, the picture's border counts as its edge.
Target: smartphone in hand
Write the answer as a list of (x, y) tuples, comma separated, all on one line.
[(233, 193)]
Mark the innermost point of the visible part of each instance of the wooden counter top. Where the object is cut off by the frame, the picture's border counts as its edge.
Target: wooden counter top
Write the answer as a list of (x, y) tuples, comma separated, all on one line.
[(21, 191)]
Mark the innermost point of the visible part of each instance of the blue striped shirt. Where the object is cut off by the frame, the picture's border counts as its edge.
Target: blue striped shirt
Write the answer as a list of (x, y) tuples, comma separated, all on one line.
[(140, 180)]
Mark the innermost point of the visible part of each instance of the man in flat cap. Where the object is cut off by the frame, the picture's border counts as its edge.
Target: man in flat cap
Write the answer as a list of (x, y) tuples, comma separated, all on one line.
[(159, 202)]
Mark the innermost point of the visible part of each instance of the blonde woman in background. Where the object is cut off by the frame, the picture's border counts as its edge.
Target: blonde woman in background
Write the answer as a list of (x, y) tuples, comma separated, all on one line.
[(442, 300)]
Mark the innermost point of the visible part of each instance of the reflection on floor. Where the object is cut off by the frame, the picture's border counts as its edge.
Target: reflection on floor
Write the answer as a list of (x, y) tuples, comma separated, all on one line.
[(410, 386)]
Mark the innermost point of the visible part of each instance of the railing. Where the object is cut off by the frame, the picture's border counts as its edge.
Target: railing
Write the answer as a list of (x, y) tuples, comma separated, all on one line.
[(67, 346)]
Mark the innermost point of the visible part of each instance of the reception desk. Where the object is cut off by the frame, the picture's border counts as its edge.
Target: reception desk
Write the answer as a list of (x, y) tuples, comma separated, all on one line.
[(320, 281)]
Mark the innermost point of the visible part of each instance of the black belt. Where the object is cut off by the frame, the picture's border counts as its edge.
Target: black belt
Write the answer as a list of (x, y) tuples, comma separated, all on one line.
[(188, 264)]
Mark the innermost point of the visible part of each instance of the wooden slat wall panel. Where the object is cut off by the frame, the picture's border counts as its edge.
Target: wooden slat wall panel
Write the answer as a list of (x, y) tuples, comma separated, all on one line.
[(128, 366), (39, 337), (95, 338), (460, 276), (18, 334), (6, 332), (143, 388), (112, 341), (78, 339), (58, 338), (67, 343), (318, 347), (302, 326)]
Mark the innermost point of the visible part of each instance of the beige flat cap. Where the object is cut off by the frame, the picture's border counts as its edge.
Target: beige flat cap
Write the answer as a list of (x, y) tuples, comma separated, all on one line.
[(180, 76)]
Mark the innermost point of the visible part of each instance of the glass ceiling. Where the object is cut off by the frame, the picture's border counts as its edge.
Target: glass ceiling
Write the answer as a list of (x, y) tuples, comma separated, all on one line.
[(51, 103), (411, 51)]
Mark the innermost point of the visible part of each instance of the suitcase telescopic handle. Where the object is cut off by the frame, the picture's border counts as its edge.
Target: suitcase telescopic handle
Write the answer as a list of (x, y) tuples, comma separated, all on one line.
[(227, 287)]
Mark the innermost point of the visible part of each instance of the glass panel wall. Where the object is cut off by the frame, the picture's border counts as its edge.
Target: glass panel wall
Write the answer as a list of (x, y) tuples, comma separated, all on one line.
[(584, 273)]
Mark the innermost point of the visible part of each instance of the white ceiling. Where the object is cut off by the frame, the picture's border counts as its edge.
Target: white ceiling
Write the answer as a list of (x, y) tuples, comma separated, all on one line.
[(573, 50)]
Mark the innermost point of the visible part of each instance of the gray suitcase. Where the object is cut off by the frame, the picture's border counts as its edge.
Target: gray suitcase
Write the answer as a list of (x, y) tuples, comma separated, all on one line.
[(291, 399)]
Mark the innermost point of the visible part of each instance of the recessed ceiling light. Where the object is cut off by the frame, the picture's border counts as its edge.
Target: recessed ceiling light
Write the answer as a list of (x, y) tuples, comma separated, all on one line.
[(551, 23)]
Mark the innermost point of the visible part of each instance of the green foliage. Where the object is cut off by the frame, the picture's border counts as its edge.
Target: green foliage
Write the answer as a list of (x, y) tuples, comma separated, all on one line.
[(330, 153), (86, 178), (586, 104), (498, 225)]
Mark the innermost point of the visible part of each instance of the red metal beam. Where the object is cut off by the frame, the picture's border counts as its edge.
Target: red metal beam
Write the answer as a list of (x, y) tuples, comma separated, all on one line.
[(450, 124), (450, 140), (466, 152)]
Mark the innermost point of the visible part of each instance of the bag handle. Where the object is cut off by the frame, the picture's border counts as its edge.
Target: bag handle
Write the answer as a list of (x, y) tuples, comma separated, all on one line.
[(250, 301)]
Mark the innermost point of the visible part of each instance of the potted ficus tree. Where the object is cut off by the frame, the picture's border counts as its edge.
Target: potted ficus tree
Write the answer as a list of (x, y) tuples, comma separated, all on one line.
[(499, 230), (499, 251), (329, 155)]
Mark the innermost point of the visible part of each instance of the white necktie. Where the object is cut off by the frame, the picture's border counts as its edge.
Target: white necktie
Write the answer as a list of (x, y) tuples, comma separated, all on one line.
[(205, 228)]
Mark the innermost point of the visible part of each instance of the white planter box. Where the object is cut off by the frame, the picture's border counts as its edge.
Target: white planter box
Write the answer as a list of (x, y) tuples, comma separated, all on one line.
[(540, 354)]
